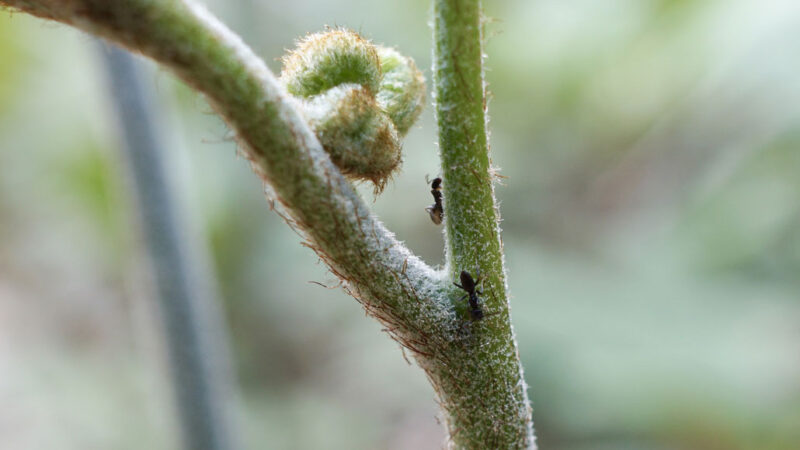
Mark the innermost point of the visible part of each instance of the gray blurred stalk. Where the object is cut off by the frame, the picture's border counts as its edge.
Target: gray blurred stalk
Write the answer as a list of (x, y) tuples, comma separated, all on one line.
[(196, 343)]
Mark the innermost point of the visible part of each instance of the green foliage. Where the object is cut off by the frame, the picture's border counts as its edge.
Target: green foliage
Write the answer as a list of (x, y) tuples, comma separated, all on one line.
[(9, 55), (361, 140), (358, 97), (402, 92), (681, 335), (324, 60)]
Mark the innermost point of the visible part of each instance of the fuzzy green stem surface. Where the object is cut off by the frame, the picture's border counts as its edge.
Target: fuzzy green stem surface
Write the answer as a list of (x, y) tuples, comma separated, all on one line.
[(472, 365), (499, 415), (309, 191)]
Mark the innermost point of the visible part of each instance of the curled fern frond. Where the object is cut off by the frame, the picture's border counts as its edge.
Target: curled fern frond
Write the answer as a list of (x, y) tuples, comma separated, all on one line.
[(360, 99), (402, 89), (359, 137)]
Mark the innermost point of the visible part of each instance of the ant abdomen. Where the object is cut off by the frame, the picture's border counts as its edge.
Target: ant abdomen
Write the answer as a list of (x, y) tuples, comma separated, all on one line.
[(436, 210), (476, 313)]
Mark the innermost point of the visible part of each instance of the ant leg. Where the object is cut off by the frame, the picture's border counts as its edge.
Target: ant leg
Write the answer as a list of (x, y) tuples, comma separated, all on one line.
[(492, 314), (459, 286), (463, 297)]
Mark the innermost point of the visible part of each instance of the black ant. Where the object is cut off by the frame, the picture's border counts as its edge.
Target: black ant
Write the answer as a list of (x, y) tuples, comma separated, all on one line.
[(436, 210), (471, 286)]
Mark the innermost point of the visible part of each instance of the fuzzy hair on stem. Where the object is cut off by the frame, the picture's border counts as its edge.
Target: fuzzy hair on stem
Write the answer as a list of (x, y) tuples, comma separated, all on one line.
[(472, 231), (473, 366)]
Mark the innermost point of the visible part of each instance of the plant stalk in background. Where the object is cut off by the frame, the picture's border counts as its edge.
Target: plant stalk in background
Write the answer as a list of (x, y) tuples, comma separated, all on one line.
[(473, 365), (192, 323)]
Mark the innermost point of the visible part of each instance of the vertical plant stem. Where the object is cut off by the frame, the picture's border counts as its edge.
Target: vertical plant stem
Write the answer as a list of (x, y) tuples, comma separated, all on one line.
[(499, 417), (193, 327), (472, 234)]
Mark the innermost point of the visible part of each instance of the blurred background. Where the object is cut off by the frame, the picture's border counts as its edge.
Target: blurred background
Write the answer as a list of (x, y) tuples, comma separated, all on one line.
[(650, 216)]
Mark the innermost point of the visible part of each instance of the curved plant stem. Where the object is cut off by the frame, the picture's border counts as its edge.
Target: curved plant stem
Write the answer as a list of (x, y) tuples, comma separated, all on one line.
[(193, 326), (473, 365), (186, 38)]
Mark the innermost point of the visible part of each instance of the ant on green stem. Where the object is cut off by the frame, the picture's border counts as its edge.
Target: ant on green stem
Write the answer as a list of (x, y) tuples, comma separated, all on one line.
[(436, 210), (471, 286)]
